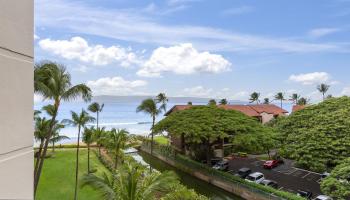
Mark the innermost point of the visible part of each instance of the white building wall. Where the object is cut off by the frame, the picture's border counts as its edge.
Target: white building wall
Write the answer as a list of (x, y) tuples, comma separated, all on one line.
[(16, 99), (266, 117)]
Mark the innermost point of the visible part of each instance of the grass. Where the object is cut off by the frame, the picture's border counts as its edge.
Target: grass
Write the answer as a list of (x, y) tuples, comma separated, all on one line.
[(161, 140), (58, 176)]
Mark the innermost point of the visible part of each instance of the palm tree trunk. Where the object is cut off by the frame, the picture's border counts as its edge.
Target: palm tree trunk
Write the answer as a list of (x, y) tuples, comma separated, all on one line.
[(153, 121), (116, 161), (37, 173), (97, 115), (53, 146), (281, 103), (77, 167), (38, 155), (323, 96), (88, 146)]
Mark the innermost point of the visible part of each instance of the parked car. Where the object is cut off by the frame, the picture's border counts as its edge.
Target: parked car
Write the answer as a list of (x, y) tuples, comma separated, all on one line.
[(269, 183), (243, 172), (323, 197), (270, 164), (256, 177), (214, 161), (325, 175), (305, 194), (279, 159), (221, 165)]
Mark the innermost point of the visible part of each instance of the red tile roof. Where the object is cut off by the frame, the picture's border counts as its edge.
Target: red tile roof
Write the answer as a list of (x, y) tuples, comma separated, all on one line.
[(268, 108), (241, 108), (297, 107), (250, 110)]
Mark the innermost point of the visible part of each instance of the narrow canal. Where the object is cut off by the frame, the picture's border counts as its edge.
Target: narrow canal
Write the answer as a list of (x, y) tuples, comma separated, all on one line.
[(199, 186)]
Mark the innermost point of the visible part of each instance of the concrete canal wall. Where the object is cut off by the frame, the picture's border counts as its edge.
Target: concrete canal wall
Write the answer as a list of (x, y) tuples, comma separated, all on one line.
[(237, 189)]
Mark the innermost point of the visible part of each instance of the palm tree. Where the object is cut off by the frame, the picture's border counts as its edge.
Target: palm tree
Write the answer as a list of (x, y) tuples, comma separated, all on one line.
[(223, 102), (267, 101), (323, 88), (119, 140), (254, 97), (36, 114), (41, 130), (80, 121), (280, 96), (162, 99), (99, 137), (212, 102), (53, 82), (56, 137), (88, 139), (96, 108), (295, 97), (132, 183), (302, 101), (149, 106)]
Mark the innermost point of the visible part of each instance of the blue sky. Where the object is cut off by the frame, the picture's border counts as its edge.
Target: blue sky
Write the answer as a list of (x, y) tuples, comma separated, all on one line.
[(219, 49)]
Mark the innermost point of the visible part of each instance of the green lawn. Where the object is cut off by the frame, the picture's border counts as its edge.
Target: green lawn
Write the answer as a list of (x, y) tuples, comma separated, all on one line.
[(161, 140), (58, 176)]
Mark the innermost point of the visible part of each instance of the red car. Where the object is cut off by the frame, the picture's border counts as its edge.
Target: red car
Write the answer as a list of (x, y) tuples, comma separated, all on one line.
[(270, 164)]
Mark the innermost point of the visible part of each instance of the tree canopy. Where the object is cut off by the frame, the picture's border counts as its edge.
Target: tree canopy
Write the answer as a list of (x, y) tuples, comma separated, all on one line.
[(207, 124), (317, 137), (337, 185)]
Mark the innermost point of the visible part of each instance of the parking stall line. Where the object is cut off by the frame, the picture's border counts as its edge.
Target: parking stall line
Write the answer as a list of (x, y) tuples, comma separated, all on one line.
[(291, 172), (306, 175)]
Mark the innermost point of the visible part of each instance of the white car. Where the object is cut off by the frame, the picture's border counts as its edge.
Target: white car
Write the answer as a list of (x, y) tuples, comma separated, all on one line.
[(256, 177), (323, 197)]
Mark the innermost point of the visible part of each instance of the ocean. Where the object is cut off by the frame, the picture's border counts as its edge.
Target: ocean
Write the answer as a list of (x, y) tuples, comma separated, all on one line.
[(116, 114)]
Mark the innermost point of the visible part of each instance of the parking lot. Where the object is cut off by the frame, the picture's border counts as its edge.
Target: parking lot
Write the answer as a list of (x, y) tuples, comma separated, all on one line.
[(286, 175)]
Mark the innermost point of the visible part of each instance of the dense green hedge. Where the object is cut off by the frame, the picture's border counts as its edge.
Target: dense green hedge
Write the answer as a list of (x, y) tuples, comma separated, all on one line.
[(191, 166), (317, 137)]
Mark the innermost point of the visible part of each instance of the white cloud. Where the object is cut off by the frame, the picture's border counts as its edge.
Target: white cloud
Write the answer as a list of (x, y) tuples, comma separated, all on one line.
[(115, 86), (175, 2), (81, 68), (346, 91), (38, 98), (242, 95), (227, 93), (79, 49), (198, 91), (238, 10), (122, 24), (319, 32), (310, 78), (182, 59), (153, 9), (36, 36)]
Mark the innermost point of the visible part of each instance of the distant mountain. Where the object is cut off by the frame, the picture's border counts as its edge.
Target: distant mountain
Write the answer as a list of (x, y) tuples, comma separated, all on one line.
[(174, 100)]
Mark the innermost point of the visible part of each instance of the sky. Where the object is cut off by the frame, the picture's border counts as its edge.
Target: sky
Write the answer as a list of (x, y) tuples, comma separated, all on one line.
[(200, 48)]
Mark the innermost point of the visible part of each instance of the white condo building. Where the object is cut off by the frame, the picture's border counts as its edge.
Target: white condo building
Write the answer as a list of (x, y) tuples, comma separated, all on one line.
[(16, 99)]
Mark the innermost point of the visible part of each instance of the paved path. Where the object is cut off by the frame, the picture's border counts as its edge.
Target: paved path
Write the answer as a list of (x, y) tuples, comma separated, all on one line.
[(288, 177)]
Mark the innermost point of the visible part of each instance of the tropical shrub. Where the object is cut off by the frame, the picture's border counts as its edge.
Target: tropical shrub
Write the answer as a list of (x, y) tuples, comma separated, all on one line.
[(317, 137), (337, 185)]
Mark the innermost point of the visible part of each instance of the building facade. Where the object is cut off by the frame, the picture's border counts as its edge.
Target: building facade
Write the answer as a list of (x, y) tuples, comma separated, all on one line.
[(16, 99)]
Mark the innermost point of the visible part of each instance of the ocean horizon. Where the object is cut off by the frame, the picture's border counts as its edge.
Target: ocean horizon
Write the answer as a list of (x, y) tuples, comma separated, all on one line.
[(119, 115)]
